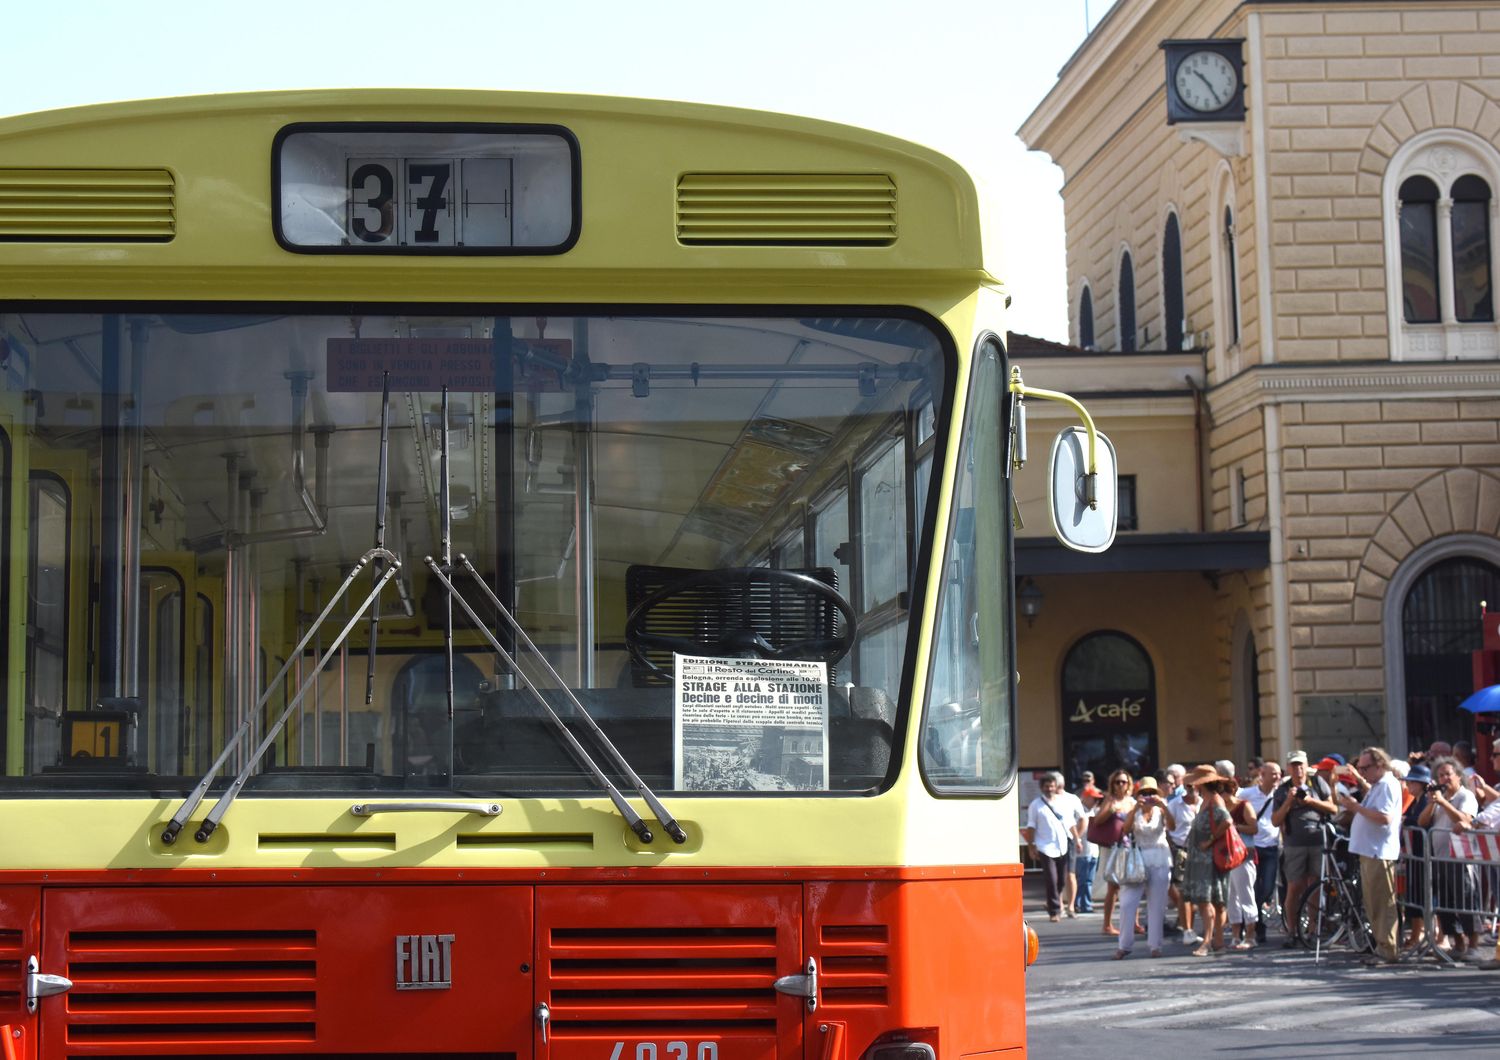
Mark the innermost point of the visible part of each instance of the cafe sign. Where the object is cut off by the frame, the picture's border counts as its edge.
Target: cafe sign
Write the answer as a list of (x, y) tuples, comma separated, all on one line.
[(1092, 710)]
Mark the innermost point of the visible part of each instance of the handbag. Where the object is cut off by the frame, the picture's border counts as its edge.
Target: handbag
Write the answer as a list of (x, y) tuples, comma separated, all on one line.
[(1229, 850), (1106, 831), (1125, 866)]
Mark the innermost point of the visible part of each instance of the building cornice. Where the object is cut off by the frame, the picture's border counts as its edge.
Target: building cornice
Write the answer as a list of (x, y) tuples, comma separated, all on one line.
[(1363, 381)]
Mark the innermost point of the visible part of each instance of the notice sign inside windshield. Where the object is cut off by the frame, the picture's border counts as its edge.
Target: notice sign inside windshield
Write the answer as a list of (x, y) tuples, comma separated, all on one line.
[(462, 364), (750, 724)]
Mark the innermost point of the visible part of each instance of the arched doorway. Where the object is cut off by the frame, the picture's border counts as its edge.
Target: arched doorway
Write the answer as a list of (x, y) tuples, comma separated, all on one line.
[(1108, 706), (1244, 677), (1440, 627)]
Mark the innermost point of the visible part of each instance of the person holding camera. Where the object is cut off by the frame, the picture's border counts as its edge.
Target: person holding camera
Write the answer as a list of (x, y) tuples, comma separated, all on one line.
[(1302, 808), (1449, 805), (1147, 824)]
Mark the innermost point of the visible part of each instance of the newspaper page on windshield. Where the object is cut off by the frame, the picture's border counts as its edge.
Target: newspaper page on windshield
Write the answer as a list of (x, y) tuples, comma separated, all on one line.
[(750, 725)]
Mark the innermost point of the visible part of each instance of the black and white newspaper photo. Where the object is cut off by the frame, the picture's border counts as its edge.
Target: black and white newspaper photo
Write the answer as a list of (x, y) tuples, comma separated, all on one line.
[(750, 725)]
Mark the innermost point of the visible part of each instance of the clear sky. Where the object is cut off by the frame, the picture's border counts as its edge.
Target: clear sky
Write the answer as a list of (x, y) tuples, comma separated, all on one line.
[(957, 75)]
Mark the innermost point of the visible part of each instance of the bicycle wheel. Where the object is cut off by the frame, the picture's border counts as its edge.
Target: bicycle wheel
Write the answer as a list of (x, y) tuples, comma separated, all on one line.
[(1322, 916)]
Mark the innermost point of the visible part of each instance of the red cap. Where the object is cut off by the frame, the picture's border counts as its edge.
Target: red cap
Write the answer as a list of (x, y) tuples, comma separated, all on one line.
[(1329, 763), (1092, 792)]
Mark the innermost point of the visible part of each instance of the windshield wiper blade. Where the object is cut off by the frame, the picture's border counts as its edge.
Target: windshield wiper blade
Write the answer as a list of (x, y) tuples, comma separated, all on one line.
[(179, 819), (633, 819)]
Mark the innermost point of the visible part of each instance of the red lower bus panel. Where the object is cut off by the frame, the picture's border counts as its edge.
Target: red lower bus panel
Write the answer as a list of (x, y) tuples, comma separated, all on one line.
[(578, 970), (943, 954), (297, 969)]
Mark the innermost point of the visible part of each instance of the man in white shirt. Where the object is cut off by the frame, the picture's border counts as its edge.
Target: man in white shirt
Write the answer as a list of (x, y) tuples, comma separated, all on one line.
[(1049, 835), (1072, 807), (1375, 835), (1266, 840)]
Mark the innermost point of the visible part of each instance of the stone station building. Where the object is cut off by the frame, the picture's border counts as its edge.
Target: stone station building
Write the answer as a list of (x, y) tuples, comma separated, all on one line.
[(1286, 323)]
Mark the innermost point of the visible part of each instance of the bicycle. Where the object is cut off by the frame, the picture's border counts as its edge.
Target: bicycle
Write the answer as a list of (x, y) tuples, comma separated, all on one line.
[(1332, 911)]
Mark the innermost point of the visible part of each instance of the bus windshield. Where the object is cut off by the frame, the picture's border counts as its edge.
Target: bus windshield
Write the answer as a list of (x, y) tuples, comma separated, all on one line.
[(666, 503)]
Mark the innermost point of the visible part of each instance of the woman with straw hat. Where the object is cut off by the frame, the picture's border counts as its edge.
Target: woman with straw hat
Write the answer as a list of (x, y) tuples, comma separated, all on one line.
[(1203, 884)]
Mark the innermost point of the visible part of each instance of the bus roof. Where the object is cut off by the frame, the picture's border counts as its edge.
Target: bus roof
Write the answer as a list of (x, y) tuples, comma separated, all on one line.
[(69, 227)]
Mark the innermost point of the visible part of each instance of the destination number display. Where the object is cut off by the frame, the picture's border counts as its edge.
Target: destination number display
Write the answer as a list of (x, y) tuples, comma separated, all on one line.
[(422, 189)]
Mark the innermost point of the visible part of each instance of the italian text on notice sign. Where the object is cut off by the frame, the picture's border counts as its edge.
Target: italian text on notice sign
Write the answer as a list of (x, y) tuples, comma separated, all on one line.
[(361, 366)]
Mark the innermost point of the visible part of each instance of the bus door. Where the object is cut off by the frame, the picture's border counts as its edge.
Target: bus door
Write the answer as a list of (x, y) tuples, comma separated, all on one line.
[(628, 972)]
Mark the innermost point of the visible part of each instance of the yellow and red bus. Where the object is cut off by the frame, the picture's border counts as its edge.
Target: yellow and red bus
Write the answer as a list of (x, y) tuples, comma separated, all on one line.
[(502, 575)]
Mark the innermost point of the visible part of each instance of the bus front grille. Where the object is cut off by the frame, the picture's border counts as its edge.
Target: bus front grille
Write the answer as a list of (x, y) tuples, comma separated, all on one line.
[(191, 988)]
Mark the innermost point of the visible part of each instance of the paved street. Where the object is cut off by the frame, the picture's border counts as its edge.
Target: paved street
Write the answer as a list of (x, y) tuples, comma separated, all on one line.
[(1082, 1002)]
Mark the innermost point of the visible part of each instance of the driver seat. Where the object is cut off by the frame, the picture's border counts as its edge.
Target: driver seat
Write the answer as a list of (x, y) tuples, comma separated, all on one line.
[(710, 612)]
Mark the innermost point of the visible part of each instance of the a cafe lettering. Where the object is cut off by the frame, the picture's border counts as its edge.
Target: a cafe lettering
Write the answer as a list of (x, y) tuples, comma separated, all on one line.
[(1116, 710)]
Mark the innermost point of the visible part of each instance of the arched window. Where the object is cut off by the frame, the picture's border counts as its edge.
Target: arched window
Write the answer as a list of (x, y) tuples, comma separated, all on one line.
[(1171, 284), (1125, 303), (1086, 318), (1439, 630), (1472, 296), (1231, 277), (1440, 252), (1108, 706), (1419, 251)]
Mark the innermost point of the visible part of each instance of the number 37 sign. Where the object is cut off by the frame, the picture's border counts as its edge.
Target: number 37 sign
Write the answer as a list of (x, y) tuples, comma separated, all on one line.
[(430, 202)]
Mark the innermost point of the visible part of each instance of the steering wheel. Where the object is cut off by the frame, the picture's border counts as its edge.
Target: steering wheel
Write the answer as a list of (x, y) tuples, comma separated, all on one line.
[(744, 640)]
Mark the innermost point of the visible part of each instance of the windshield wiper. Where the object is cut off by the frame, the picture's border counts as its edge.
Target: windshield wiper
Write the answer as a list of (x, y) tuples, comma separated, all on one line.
[(632, 818), (169, 834)]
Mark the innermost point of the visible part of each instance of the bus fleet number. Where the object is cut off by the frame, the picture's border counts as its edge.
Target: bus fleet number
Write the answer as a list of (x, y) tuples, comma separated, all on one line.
[(675, 1051)]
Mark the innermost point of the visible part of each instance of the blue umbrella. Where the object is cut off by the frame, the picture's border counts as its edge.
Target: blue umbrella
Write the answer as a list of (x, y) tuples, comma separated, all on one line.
[(1483, 702)]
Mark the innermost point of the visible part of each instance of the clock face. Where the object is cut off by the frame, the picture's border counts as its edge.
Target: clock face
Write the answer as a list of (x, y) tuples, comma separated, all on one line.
[(1206, 81)]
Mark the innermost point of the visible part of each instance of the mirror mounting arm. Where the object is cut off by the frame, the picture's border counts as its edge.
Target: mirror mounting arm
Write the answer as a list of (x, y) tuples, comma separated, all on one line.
[(1020, 389)]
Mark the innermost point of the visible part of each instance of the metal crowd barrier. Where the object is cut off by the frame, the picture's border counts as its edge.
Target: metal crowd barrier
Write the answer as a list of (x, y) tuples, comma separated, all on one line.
[(1452, 887)]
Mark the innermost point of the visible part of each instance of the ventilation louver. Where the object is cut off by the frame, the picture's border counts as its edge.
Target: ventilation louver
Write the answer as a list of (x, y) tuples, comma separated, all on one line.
[(87, 205), (12, 972), (645, 982), (786, 209), (191, 989)]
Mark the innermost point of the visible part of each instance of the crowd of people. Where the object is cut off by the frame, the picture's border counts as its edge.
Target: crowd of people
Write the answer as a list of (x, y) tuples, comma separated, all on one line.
[(1233, 853)]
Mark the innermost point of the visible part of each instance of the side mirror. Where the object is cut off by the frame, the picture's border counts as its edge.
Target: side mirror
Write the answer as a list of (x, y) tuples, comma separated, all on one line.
[(1084, 507)]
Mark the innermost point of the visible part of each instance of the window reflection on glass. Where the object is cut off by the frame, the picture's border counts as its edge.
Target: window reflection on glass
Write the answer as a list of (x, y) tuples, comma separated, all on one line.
[(879, 656), (967, 734), (1472, 296), (830, 535), (1419, 273), (882, 517), (47, 619), (791, 550)]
